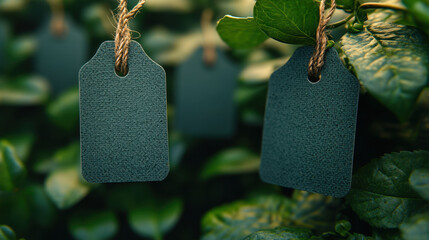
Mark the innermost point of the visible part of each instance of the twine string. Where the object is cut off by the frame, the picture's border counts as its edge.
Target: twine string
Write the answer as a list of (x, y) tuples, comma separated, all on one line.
[(57, 25), (317, 59), (123, 35), (209, 52)]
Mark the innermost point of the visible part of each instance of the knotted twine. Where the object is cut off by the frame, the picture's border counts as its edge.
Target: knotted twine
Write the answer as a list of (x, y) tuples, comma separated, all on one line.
[(317, 59), (123, 35), (209, 45)]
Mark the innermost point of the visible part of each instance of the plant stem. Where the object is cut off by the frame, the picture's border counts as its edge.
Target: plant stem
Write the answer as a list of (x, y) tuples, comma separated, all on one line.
[(383, 5), (342, 22)]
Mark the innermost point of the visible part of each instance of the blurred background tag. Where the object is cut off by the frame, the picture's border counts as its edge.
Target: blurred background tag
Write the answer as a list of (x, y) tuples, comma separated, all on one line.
[(204, 96), (59, 58), (3, 41)]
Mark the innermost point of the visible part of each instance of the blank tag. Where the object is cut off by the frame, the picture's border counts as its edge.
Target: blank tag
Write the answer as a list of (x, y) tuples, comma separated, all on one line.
[(204, 96), (59, 58), (309, 128), (123, 120)]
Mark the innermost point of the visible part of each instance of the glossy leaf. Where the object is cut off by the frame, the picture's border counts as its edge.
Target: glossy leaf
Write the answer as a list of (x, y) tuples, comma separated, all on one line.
[(231, 161), (12, 170), (240, 33), (64, 111), (22, 142), (288, 21), (94, 226), (6, 233), (315, 211), (281, 233), (391, 62), (26, 90), (154, 219), (420, 11), (419, 181), (416, 228), (65, 187), (242, 218), (381, 194)]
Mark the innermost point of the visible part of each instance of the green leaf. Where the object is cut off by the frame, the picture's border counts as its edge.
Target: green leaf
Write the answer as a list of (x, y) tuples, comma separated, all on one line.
[(39, 205), (22, 143), (18, 209), (26, 90), (343, 228), (381, 194), (288, 21), (6, 233), (416, 228), (97, 19), (242, 218), (94, 226), (177, 148), (68, 156), (391, 61), (20, 50), (358, 236), (419, 181), (154, 219), (12, 5), (64, 111), (12, 170), (315, 211), (231, 161), (387, 234), (65, 187), (240, 33), (281, 233), (419, 9), (345, 4)]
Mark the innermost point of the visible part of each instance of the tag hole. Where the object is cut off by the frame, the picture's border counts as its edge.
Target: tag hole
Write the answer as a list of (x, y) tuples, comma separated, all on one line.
[(120, 74), (314, 79)]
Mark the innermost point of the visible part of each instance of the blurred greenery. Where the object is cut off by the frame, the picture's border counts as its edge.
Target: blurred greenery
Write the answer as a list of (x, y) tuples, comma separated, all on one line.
[(213, 190)]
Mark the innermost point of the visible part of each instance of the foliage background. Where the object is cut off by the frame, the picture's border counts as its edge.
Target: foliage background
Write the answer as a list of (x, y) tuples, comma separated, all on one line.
[(43, 197)]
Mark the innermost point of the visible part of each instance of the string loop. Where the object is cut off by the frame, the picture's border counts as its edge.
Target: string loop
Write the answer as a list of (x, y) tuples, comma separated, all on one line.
[(123, 35), (317, 59)]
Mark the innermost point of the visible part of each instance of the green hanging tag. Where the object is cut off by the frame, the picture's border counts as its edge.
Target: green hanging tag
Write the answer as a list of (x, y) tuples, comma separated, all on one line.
[(60, 56), (204, 96), (309, 128), (123, 120)]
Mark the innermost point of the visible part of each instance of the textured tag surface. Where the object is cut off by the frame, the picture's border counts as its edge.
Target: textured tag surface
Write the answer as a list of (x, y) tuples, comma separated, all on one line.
[(123, 120), (204, 96), (309, 128), (59, 58)]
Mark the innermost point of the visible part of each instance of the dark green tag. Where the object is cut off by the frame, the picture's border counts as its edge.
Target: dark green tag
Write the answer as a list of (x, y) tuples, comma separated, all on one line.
[(204, 96), (59, 58), (309, 128), (123, 120)]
